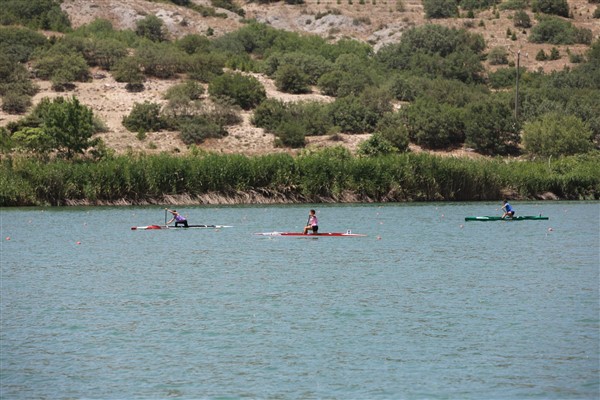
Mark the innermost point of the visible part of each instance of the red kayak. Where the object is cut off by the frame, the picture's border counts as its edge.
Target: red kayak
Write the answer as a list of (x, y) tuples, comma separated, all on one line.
[(309, 235), (151, 227)]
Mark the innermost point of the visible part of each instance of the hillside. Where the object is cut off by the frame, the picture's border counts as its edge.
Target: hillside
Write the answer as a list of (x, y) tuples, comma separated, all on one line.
[(375, 22)]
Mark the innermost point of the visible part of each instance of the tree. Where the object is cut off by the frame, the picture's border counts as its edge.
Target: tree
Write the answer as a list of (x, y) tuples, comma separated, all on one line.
[(557, 134), (128, 70), (144, 117), (498, 56), (63, 125)]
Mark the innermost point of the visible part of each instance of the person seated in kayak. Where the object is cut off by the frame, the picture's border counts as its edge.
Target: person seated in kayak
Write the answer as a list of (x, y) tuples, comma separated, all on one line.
[(508, 210), (313, 223), (178, 218)]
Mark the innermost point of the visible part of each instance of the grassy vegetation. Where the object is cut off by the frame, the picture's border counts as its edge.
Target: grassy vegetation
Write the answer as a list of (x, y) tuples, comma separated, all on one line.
[(327, 175)]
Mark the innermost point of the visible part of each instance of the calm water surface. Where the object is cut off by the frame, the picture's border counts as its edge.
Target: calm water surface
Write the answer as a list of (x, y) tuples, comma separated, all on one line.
[(426, 306)]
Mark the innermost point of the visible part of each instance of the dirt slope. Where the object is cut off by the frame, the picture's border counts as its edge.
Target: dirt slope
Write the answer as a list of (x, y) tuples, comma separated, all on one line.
[(376, 22)]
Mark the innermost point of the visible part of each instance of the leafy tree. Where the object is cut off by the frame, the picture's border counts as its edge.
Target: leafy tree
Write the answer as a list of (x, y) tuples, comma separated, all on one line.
[(490, 127), (554, 54), (144, 117), (556, 7), (556, 134), (314, 66), (597, 12), (60, 124), (182, 98), (521, 19), (204, 67), (440, 8), (245, 91), (151, 27), (104, 53), (541, 55)]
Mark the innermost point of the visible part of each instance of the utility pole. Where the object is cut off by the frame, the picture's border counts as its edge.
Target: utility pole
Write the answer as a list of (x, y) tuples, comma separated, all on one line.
[(517, 88)]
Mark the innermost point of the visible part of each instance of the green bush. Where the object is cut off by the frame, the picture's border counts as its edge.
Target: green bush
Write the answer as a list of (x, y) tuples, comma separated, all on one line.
[(376, 145), (144, 117), (193, 44), (128, 70), (35, 14), (521, 19), (18, 44), (541, 55), (269, 114), (555, 7), (104, 53), (434, 125), (556, 31), (498, 56), (391, 128), (490, 127), (440, 8), (197, 129), (290, 79), (62, 66), (15, 103), (161, 60), (556, 134), (597, 12), (290, 134), (151, 27), (245, 91)]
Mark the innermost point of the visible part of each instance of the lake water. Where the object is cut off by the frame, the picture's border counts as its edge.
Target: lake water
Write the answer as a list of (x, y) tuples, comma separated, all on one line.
[(425, 306)]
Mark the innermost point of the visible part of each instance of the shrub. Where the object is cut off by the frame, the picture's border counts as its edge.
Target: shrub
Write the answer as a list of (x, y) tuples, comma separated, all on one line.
[(35, 14), (556, 134), (104, 53), (392, 129), (376, 145), (290, 134), (128, 70), (521, 19), (440, 8), (554, 54), (15, 103), (151, 27), (269, 114), (291, 79), (498, 56), (18, 44), (490, 127), (597, 12), (556, 7), (434, 125), (161, 60), (541, 55), (197, 129), (193, 44), (245, 91), (556, 31), (144, 117), (204, 67), (62, 66)]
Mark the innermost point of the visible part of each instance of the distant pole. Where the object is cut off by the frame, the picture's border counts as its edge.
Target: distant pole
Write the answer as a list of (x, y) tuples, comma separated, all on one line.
[(517, 88)]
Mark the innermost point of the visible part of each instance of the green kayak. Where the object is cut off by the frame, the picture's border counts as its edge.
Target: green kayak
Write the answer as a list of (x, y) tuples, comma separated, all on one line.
[(518, 218)]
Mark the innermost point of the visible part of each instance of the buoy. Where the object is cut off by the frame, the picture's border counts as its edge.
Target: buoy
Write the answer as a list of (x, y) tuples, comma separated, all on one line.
[(8, 238), (378, 237), (461, 226), (550, 229), (78, 242)]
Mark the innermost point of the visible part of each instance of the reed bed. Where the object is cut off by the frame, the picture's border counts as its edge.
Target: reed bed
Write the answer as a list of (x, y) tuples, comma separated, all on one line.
[(281, 178)]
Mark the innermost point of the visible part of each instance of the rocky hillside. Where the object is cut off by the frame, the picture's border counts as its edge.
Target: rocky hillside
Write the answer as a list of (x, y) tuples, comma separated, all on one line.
[(377, 22)]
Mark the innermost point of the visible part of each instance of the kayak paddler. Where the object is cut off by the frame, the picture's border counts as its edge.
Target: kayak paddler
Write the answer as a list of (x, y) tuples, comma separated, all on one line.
[(312, 223), (508, 210), (178, 218)]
